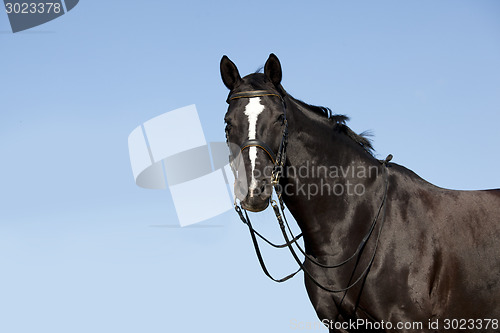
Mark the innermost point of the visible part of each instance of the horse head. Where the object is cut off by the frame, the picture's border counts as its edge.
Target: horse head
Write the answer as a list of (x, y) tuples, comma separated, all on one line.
[(255, 130)]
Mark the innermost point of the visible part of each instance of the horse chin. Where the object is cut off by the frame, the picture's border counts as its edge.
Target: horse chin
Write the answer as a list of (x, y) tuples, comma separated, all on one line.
[(255, 205)]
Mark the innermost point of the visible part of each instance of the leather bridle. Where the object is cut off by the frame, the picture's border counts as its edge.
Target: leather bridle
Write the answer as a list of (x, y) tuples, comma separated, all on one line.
[(279, 161), (279, 158)]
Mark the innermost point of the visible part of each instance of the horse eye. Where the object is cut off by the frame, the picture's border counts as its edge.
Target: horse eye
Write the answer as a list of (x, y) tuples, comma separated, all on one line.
[(281, 119)]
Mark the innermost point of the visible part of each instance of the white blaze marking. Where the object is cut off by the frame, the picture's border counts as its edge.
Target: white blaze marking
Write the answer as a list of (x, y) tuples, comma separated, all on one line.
[(252, 111)]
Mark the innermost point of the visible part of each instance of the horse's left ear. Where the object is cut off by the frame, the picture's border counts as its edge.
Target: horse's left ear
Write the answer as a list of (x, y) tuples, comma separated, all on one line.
[(272, 69)]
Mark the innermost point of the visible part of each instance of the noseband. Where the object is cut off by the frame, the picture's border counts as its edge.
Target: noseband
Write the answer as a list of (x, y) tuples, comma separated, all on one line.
[(278, 159)]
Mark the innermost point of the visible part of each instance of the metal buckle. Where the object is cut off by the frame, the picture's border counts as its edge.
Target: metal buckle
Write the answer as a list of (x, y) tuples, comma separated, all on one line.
[(274, 204)]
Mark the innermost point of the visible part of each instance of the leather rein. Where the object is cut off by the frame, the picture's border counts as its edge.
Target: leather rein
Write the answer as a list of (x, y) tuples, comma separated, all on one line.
[(279, 161)]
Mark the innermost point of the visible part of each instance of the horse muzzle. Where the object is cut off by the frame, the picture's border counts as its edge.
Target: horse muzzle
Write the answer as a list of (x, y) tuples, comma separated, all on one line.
[(256, 198)]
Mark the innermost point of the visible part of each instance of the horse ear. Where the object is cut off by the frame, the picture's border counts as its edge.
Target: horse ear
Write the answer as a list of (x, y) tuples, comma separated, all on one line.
[(272, 69), (229, 73)]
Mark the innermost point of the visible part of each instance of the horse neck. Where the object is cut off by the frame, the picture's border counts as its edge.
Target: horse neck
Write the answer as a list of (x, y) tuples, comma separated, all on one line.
[(342, 178)]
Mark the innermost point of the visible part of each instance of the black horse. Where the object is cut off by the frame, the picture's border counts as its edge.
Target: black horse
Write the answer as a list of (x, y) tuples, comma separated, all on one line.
[(384, 249)]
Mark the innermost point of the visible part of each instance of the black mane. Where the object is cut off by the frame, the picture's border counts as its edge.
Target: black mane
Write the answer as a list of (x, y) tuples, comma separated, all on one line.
[(339, 123)]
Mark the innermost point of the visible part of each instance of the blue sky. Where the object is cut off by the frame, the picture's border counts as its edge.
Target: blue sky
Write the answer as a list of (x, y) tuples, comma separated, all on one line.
[(83, 249)]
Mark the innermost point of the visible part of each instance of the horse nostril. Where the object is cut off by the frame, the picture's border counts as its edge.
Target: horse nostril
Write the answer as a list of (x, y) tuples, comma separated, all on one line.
[(264, 188), (240, 190)]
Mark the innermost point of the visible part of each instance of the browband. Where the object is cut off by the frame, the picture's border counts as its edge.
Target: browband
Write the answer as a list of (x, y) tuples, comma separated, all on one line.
[(252, 93)]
